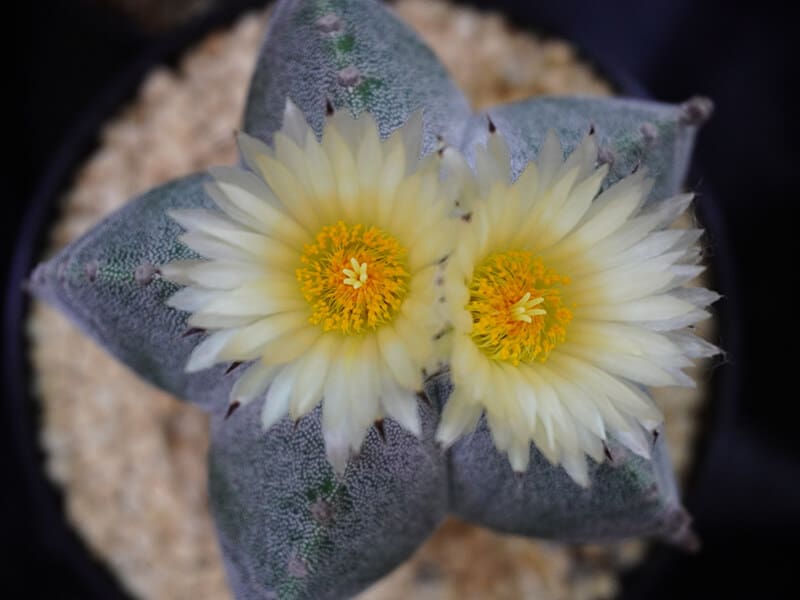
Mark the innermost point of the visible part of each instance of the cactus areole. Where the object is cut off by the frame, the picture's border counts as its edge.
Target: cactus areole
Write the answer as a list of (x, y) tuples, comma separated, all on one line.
[(437, 312)]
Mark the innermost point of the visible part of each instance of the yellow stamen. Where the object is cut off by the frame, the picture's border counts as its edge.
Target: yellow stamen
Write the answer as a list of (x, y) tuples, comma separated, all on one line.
[(523, 309), (357, 276), (359, 301), (516, 306)]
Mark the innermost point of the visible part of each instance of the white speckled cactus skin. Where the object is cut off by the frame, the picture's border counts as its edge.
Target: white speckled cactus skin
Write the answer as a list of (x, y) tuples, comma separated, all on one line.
[(289, 528)]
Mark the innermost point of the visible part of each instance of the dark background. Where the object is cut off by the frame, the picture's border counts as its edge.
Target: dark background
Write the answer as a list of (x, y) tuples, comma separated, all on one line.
[(67, 57)]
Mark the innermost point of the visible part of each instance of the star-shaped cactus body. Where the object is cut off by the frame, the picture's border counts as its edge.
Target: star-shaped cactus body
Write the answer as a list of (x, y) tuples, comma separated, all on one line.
[(289, 526)]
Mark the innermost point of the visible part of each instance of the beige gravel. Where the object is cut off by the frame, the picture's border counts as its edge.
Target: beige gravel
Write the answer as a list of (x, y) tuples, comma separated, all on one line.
[(131, 459)]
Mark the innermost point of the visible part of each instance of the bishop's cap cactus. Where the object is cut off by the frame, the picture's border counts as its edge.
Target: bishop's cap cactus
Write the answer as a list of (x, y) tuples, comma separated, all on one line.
[(378, 240)]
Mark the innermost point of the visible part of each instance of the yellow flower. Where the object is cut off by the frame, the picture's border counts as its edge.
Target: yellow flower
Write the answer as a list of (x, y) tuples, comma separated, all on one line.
[(564, 304), (321, 270)]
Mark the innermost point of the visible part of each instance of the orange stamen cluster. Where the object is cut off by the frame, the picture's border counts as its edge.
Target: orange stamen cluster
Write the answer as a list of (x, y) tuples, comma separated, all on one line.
[(354, 277), (517, 309)]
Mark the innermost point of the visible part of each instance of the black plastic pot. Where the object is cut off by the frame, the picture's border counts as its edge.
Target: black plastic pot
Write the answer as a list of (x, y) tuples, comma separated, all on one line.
[(53, 542)]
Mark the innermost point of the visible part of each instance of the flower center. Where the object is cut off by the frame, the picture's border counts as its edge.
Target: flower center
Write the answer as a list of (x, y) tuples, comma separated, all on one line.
[(517, 309), (354, 277)]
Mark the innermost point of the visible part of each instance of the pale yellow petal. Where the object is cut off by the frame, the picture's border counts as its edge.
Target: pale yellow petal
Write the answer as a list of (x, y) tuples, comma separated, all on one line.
[(252, 383), (206, 353), (276, 402), (290, 346), (250, 341), (459, 417), (343, 165), (401, 405), (314, 369)]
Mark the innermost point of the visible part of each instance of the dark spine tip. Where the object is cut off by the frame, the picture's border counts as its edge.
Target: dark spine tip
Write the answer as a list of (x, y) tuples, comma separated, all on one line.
[(233, 366), (192, 331), (379, 427), (636, 167), (232, 409), (607, 452), (591, 129), (466, 217), (424, 397), (441, 146), (448, 327), (329, 109), (492, 126)]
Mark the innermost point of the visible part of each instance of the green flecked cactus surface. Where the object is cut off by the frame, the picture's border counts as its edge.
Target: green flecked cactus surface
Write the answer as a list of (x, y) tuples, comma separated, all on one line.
[(631, 134), (353, 54), (288, 526)]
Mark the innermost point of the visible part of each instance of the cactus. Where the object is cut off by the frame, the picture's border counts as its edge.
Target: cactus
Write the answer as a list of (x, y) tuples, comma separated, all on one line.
[(289, 525)]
